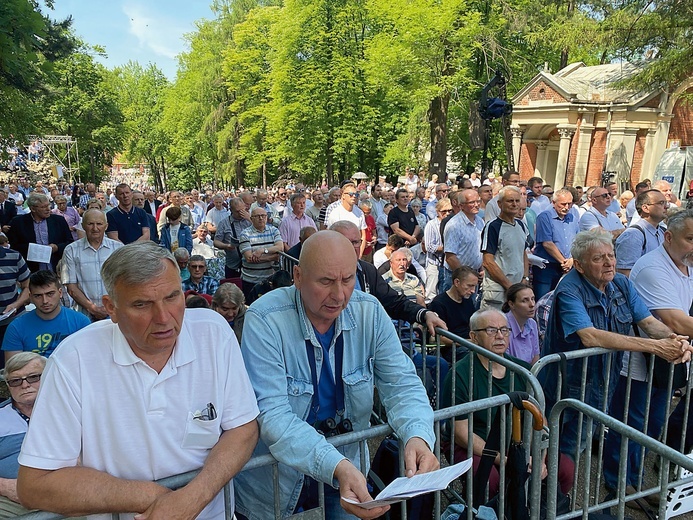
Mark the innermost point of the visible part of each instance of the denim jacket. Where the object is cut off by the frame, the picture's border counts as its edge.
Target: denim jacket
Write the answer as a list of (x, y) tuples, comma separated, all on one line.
[(274, 348), (615, 310)]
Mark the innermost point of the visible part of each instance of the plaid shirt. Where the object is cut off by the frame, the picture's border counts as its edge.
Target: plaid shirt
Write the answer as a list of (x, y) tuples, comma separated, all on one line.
[(207, 285)]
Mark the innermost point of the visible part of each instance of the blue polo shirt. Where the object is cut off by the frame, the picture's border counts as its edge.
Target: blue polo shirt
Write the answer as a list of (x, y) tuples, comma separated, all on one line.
[(551, 228), (128, 224)]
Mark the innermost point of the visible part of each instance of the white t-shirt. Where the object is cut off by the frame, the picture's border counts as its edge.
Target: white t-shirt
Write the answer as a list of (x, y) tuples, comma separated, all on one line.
[(341, 213), (101, 406), (661, 285)]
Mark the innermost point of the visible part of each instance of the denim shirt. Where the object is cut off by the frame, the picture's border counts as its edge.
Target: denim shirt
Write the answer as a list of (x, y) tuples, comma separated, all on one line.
[(614, 310), (274, 348)]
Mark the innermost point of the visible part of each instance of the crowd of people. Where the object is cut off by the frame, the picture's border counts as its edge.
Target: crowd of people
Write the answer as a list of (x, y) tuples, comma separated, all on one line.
[(512, 265)]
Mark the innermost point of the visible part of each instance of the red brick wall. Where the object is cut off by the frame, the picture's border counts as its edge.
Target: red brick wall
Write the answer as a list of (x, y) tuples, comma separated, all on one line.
[(596, 160), (528, 160), (653, 103), (636, 168), (542, 91), (682, 122), (572, 157)]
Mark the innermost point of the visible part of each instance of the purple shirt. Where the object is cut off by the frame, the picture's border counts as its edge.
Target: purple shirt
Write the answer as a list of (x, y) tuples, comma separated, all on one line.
[(291, 226), (524, 344)]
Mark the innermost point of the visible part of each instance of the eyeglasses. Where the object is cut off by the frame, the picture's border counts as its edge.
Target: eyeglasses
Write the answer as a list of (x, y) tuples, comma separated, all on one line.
[(603, 196), (660, 203), (492, 331), (350, 193), (17, 381), (281, 194), (548, 193)]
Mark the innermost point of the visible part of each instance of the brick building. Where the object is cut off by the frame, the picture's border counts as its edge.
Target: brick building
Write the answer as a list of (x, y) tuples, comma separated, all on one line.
[(570, 126)]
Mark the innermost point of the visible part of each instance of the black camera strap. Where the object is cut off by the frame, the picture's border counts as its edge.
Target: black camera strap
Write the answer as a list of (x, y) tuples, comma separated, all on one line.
[(339, 383)]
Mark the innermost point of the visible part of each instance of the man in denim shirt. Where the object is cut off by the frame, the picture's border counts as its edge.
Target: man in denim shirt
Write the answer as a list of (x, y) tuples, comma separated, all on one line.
[(294, 340), (596, 307)]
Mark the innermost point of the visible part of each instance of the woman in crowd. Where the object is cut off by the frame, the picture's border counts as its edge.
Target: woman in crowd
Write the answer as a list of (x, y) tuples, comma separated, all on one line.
[(69, 213), (23, 377), (229, 301), (519, 308)]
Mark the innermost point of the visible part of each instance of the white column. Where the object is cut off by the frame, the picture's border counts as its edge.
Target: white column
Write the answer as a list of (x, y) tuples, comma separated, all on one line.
[(566, 134), (660, 141), (621, 150), (648, 165), (582, 156), (542, 158), (517, 145)]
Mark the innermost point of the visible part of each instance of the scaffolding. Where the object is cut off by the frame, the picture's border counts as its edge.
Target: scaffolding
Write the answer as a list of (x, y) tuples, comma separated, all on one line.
[(64, 150)]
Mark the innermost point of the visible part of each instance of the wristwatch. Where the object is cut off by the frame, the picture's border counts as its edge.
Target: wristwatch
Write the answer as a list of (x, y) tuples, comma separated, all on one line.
[(525, 278), (266, 251)]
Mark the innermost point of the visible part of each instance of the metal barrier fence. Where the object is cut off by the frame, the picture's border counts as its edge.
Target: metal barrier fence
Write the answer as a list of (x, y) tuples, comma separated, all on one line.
[(360, 437), (596, 422), (287, 263)]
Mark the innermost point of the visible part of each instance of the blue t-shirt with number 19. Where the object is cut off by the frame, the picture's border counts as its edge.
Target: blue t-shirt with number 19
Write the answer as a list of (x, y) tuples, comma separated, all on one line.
[(30, 333)]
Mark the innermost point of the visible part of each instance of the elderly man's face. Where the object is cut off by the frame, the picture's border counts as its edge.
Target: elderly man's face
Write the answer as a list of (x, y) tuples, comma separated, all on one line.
[(94, 225), (354, 236), (299, 206), (598, 265), (41, 211), (149, 315), (219, 203), (176, 198), (495, 341), (138, 200), (25, 393), (262, 199), (466, 286), (197, 269), (665, 188), (680, 245), (399, 263), (562, 205), (318, 198), (259, 219)]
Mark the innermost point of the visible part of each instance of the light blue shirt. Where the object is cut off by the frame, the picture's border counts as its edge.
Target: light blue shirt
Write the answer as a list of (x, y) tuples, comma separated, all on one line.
[(274, 347), (463, 239), (560, 231)]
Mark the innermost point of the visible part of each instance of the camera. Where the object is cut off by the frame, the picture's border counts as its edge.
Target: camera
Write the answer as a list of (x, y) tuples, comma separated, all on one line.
[(329, 427)]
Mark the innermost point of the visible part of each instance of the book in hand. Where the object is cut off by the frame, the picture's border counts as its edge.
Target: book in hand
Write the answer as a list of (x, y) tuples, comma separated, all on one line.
[(404, 488)]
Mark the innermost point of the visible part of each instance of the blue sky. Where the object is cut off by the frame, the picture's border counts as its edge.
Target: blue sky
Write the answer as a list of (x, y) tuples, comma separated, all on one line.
[(139, 30)]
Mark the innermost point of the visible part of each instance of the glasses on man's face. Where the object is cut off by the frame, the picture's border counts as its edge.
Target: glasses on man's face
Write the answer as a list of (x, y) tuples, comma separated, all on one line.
[(660, 203), (603, 196), (547, 193), (350, 193), (492, 331), (281, 194), (17, 381)]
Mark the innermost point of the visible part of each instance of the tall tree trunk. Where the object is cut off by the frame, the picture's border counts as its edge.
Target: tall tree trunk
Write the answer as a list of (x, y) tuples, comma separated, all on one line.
[(329, 164), (564, 52), (438, 121)]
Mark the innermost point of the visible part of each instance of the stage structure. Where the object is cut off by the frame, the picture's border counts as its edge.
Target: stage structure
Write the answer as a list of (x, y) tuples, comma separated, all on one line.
[(62, 149)]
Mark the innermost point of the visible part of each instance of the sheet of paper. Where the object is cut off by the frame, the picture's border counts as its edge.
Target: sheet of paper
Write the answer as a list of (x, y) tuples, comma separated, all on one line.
[(404, 488), (39, 253), (6, 315)]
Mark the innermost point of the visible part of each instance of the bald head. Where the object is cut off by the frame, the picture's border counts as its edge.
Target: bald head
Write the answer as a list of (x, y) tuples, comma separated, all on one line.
[(325, 277)]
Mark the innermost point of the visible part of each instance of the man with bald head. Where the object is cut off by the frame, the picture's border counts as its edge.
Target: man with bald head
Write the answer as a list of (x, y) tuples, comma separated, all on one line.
[(332, 345)]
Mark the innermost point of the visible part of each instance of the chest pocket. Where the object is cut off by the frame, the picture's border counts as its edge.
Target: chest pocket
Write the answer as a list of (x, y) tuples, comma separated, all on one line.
[(358, 389), (622, 317), (300, 394)]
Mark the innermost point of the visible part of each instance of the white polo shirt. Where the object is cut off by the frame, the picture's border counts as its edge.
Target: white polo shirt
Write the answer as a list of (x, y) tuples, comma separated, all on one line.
[(101, 406), (661, 285)]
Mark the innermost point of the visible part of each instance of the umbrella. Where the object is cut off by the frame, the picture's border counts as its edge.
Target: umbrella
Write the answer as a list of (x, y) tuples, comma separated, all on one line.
[(516, 470), (359, 176)]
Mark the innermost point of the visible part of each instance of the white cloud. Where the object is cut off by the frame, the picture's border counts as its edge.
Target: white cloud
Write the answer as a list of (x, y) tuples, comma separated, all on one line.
[(155, 31)]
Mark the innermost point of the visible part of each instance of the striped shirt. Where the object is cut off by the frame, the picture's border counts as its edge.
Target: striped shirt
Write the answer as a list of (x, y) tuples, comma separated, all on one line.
[(81, 265), (13, 269), (251, 239)]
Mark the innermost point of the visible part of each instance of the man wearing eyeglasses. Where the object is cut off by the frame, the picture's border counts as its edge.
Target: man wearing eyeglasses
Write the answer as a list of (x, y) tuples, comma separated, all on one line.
[(642, 236), (198, 281), (600, 216), (259, 247), (490, 330), (42, 329)]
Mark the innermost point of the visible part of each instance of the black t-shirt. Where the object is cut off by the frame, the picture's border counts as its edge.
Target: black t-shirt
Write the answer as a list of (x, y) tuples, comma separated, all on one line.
[(455, 315), (406, 220)]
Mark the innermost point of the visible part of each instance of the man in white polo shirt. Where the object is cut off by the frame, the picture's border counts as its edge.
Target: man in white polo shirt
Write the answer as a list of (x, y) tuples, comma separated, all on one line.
[(140, 398)]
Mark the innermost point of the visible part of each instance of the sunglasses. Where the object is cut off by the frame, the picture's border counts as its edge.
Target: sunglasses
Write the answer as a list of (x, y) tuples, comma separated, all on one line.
[(17, 381)]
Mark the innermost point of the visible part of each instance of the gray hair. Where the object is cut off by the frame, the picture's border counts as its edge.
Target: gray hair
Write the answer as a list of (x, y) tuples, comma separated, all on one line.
[(562, 193), (136, 264), (228, 293), (676, 223), (415, 203), (36, 199), (407, 253), (507, 189), (181, 254), (587, 240), (365, 204), (19, 361), (479, 315)]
